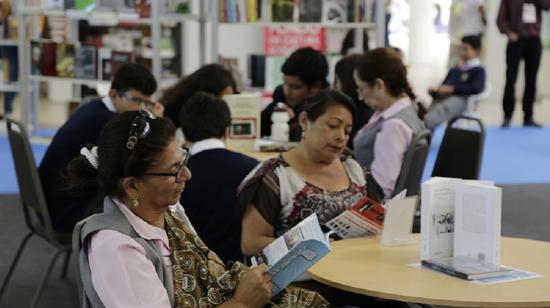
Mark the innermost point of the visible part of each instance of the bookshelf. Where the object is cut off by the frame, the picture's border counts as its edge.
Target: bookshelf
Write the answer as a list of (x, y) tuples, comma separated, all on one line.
[(154, 23), (261, 26)]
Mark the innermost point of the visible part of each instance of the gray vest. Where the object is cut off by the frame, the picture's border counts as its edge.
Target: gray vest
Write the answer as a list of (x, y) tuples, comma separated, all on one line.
[(364, 144), (111, 219)]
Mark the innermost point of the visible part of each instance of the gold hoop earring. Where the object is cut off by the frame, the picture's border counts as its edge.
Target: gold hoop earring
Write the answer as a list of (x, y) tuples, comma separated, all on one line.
[(135, 201)]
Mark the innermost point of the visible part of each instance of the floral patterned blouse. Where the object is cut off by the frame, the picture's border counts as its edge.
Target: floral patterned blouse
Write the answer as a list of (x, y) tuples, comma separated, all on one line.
[(284, 198)]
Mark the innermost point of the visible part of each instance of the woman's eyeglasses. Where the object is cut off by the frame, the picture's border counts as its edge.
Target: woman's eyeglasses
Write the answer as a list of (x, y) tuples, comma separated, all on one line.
[(179, 172)]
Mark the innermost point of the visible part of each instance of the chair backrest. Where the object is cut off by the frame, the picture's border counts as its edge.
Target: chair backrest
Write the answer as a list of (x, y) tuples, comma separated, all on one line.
[(461, 150), (30, 187), (413, 164), (472, 102)]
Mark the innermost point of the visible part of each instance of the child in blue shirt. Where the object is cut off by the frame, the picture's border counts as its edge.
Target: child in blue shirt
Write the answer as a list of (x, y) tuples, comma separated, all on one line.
[(463, 80)]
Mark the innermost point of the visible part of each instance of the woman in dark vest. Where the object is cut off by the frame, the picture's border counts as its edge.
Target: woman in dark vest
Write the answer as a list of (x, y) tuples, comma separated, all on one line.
[(380, 145), (142, 251)]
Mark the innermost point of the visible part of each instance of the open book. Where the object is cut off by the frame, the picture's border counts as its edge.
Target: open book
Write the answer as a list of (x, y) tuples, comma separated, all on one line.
[(366, 217), (291, 254)]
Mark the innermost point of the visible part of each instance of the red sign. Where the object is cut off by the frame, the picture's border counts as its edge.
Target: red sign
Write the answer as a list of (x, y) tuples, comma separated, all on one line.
[(284, 39)]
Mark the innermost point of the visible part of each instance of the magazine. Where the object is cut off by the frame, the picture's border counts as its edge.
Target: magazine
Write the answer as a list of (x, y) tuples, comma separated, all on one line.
[(366, 217), (293, 253)]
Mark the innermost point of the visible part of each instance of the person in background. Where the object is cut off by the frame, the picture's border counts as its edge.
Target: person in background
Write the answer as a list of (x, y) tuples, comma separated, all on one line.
[(210, 197), (131, 89), (520, 21), (343, 81), (381, 144), (463, 80), (304, 74), (143, 251), (211, 78), (474, 19)]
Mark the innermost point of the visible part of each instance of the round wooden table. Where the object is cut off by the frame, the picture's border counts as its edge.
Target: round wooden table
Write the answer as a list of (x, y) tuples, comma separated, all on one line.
[(364, 266)]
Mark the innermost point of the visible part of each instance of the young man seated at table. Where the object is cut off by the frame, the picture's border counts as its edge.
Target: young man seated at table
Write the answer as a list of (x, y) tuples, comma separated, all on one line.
[(210, 196), (463, 80), (131, 89), (304, 74)]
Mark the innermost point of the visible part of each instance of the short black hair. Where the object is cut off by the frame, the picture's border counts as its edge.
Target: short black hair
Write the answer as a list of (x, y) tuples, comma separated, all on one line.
[(134, 76), (472, 40), (308, 64), (204, 116), (317, 104)]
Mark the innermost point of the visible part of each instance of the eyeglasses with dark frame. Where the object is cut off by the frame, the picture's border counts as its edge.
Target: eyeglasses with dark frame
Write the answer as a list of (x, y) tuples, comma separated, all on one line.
[(148, 104), (178, 172)]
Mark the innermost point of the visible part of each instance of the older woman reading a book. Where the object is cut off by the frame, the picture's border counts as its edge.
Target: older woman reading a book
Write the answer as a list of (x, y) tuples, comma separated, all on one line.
[(142, 251), (317, 176)]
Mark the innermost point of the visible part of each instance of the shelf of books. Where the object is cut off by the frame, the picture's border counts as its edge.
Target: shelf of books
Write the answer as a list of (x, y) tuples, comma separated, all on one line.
[(109, 18), (83, 42)]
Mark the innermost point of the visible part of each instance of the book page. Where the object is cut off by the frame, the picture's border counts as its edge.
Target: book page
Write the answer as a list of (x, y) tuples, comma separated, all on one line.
[(478, 215)]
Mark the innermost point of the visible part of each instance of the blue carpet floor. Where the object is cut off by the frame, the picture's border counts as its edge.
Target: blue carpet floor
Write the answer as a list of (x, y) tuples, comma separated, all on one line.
[(515, 155), (512, 156)]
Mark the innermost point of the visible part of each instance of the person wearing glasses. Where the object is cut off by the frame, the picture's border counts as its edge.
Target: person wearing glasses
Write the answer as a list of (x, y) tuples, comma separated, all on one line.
[(131, 89), (143, 251), (380, 145), (210, 197)]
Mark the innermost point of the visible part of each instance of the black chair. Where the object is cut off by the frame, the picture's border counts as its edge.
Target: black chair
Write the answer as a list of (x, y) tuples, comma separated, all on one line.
[(412, 168), (461, 149), (35, 210)]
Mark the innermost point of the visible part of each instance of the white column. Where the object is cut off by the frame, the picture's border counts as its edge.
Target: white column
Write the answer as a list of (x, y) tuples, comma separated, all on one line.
[(421, 64)]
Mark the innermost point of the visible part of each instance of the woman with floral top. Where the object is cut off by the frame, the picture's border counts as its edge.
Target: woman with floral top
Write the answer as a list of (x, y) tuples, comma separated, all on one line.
[(317, 176)]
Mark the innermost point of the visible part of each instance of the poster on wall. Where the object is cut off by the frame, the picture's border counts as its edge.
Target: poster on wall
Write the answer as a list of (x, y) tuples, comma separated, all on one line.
[(283, 39)]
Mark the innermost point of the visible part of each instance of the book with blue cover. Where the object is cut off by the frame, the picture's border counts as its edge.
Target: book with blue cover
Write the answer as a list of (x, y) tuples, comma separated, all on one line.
[(292, 254)]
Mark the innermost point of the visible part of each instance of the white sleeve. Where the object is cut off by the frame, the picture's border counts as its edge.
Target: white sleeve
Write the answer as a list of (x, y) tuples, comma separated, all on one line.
[(122, 275)]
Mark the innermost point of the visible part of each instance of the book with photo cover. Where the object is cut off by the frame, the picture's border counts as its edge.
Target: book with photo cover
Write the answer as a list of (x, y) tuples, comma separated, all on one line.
[(65, 60), (335, 11), (282, 10), (310, 10), (245, 121), (85, 66), (465, 267), (293, 253)]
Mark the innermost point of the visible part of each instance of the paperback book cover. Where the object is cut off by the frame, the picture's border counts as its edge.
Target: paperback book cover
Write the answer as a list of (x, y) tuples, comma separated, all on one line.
[(65, 60), (366, 217), (282, 10), (335, 11), (310, 10), (245, 121), (85, 66), (293, 253)]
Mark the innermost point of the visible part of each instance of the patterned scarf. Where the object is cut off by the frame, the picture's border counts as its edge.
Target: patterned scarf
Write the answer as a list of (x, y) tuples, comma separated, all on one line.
[(201, 279)]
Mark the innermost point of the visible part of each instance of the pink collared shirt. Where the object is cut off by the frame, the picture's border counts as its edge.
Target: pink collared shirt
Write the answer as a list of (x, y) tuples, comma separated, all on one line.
[(122, 275), (390, 146)]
